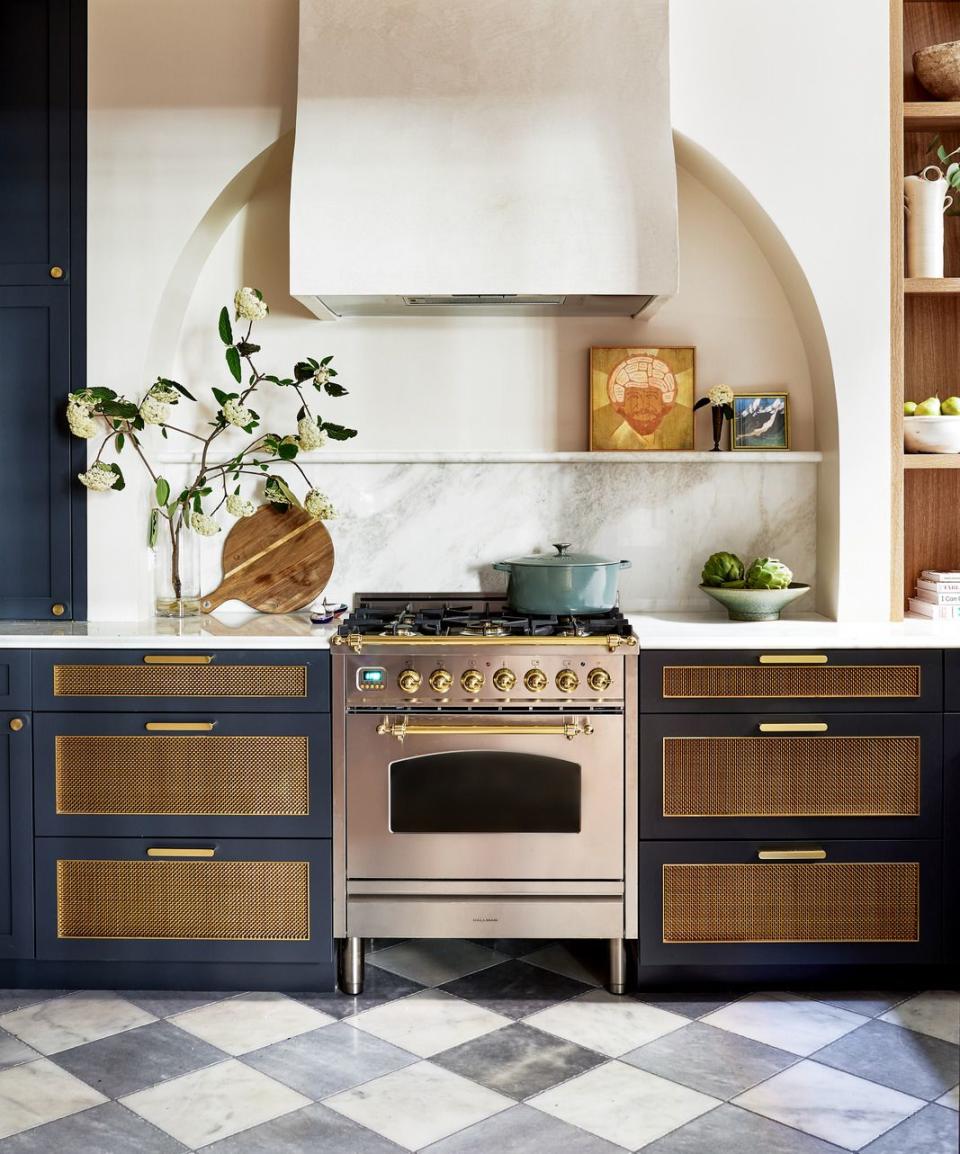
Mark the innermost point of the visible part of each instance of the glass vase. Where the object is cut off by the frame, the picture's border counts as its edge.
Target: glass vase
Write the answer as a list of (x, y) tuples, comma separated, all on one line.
[(176, 572)]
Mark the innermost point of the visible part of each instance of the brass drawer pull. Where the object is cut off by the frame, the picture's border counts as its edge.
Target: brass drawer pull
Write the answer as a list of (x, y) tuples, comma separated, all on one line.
[(792, 854), (793, 727), (179, 851), (179, 726), (402, 729), (793, 659), (173, 659)]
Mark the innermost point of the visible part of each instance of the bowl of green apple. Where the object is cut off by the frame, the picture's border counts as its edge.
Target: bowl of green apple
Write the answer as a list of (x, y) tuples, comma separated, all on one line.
[(932, 426)]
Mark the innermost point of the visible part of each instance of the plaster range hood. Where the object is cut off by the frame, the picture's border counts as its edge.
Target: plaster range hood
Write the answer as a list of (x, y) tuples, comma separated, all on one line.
[(483, 156)]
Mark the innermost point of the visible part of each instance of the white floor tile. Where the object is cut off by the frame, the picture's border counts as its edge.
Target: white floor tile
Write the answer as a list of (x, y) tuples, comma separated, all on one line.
[(433, 961), (419, 1104), (428, 1022), (830, 1104), (65, 1022), (213, 1103), (623, 1105), (39, 1092), (951, 1099), (607, 1023), (798, 1025), (936, 1013), (561, 961), (250, 1021)]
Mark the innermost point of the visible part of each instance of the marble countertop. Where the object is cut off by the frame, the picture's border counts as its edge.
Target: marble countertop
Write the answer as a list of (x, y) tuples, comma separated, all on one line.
[(655, 631)]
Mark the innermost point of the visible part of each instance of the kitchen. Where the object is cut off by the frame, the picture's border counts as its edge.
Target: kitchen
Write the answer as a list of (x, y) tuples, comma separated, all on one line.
[(395, 849)]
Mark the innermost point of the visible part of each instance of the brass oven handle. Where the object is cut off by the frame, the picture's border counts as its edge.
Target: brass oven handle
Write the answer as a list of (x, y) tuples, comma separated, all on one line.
[(180, 851), (793, 659), (569, 729), (791, 854), (793, 727), (174, 659), (179, 726)]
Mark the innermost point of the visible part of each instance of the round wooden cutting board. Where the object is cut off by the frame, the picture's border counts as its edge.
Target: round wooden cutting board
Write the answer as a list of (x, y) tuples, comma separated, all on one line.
[(274, 562)]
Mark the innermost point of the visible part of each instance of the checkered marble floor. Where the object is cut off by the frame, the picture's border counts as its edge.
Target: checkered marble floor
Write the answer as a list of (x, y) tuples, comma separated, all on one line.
[(459, 1047)]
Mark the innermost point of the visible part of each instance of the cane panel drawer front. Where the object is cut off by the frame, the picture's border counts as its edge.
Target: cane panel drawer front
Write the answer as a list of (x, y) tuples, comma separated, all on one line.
[(183, 900), (186, 774), (778, 903), (229, 681), (829, 681), (805, 775)]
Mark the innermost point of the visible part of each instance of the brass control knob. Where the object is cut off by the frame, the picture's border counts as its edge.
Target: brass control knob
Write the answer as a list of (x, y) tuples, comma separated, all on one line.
[(472, 681), (504, 679), (535, 680), (567, 681), (409, 680), (598, 680), (441, 680)]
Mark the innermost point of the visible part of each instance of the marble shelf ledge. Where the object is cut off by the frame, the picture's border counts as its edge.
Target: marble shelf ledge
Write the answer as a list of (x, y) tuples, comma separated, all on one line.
[(413, 456)]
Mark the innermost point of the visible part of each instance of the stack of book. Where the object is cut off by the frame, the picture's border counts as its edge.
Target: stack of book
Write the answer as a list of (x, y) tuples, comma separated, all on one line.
[(938, 594)]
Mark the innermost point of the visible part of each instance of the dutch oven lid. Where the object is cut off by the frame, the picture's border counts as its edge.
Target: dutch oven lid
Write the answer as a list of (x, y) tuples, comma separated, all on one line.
[(562, 557)]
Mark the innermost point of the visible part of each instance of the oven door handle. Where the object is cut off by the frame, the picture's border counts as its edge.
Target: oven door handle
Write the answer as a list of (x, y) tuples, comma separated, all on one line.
[(567, 729)]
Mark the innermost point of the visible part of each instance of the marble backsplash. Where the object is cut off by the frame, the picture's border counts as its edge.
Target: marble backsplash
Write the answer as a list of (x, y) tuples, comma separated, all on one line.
[(426, 525)]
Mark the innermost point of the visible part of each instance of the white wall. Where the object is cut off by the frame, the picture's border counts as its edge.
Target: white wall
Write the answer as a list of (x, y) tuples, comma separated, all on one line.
[(185, 204)]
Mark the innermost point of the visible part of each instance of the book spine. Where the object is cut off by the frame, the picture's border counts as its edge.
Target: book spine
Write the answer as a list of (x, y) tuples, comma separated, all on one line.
[(927, 609), (939, 586), (940, 575), (938, 598)]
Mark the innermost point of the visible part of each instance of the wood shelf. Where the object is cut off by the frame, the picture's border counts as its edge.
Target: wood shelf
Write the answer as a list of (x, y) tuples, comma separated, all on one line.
[(931, 460), (937, 284), (933, 115)]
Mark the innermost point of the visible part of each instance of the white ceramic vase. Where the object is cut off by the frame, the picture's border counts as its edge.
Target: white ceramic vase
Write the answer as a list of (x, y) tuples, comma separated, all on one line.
[(925, 200)]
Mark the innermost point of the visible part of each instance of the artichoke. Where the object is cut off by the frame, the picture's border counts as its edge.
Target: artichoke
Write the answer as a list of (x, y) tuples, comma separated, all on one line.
[(768, 573), (721, 568)]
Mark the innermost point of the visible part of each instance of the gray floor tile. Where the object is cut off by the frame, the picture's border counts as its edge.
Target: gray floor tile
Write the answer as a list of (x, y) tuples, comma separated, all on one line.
[(522, 1130), (312, 1130), (106, 1129), (13, 1051), (728, 1129), (932, 1130), (16, 999), (712, 1061), (166, 1003), (515, 989), (379, 986), (518, 1060), (914, 1063), (328, 1060), (691, 1005), (513, 947), (870, 1003), (136, 1059)]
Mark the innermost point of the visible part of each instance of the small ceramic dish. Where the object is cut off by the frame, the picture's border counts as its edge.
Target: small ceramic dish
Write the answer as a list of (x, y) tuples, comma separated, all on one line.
[(755, 604)]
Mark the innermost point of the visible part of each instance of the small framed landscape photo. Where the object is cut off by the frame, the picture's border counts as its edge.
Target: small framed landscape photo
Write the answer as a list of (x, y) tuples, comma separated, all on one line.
[(761, 421)]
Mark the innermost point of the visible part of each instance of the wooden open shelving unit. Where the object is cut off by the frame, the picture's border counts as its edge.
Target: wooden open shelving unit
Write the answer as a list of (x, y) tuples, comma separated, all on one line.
[(925, 314)]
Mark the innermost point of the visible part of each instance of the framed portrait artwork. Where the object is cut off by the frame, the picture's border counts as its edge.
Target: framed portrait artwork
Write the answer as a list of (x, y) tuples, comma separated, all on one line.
[(641, 398), (761, 421)]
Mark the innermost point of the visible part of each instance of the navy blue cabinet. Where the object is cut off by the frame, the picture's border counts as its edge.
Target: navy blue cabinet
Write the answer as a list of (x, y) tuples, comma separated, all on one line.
[(16, 837)]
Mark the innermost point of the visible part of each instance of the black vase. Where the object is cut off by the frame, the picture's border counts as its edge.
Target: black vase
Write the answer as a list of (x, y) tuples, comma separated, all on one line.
[(716, 415)]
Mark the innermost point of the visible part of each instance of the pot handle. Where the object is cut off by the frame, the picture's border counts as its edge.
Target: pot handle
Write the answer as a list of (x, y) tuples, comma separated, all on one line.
[(626, 564), (502, 566)]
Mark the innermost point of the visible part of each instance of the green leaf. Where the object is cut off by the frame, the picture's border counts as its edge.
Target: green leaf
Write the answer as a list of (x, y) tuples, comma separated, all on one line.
[(126, 410), (303, 370), (279, 493), (326, 361), (221, 396), (226, 331), (314, 362), (119, 483), (233, 364), (167, 383), (197, 506), (163, 491), (286, 451), (119, 441), (247, 348), (703, 401), (332, 389), (728, 412), (100, 394), (153, 524), (338, 432)]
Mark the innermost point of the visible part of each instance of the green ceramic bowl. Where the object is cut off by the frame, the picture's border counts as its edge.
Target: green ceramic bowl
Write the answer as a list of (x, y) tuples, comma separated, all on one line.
[(756, 604)]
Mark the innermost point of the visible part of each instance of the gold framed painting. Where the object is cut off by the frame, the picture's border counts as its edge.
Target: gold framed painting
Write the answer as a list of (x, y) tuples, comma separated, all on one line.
[(641, 399), (761, 422)]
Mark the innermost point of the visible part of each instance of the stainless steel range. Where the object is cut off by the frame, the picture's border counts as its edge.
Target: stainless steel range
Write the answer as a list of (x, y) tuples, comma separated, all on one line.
[(485, 775)]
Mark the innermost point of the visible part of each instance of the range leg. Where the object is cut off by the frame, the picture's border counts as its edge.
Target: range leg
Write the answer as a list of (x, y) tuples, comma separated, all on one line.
[(351, 966), (618, 966)]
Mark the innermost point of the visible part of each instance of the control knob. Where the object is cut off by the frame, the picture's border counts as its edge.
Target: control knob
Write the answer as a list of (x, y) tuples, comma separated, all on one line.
[(598, 680), (567, 681), (535, 680), (409, 680), (472, 681), (441, 680), (504, 679)]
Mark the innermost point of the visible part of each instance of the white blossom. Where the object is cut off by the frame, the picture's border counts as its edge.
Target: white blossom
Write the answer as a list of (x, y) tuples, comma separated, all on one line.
[(321, 376), (164, 395), (237, 414), (204, 525), (98, 478), (154, 411), (318, 505), (310, 434), (249, 306), (80, 419), (238, 507), (721, 395)]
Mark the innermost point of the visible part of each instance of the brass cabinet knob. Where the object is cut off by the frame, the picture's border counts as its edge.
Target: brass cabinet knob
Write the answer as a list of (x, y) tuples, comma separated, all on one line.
[(409, 680), (472, 681), (504, 679), (598, 680), (535, 680), (16, 724), (567, 681), (441, 680), (58, 610), (56, 272)]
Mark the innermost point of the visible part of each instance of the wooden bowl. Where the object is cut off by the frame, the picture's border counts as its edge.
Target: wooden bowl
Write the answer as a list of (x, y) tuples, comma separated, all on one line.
[(937, 67)]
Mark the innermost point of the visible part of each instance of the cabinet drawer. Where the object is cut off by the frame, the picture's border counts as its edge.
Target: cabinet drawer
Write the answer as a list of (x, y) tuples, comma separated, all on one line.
[(835, 681), (232, 680), (243, 900), (848, 775), (187, 774), (709, 902), (14, 679)]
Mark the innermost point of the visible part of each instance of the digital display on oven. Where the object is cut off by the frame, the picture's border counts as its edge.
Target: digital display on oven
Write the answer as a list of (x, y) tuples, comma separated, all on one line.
[(371, 677)]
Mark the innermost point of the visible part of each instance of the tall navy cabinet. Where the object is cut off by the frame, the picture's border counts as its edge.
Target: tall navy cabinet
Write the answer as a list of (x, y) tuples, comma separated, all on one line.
[(42, 304)]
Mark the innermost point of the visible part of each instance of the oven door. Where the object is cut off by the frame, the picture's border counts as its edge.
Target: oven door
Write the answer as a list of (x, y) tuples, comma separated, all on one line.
[(485, 796)]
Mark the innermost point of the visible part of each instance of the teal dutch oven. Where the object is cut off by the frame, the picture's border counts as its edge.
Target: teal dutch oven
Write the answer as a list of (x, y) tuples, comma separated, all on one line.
[(564, 583)]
